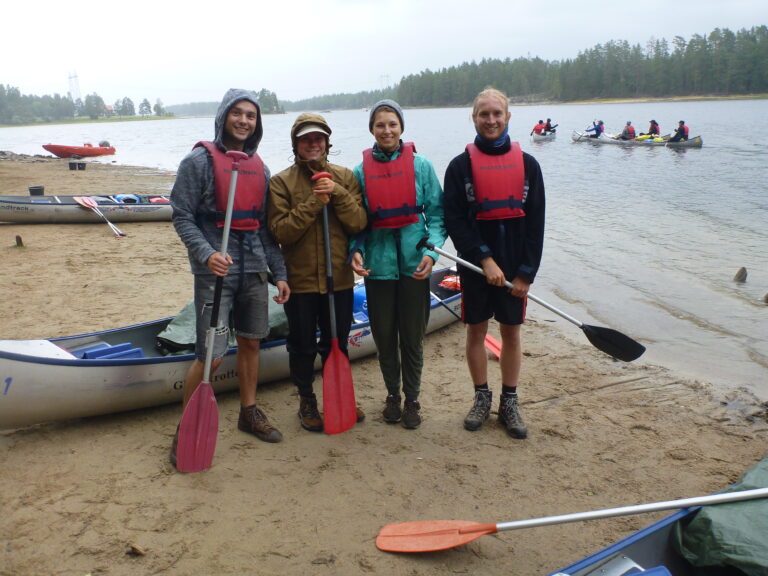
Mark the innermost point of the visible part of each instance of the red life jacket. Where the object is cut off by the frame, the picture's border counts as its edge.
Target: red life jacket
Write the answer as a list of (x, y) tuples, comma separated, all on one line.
[(251, 187), (499, 182), (685, 131), (654, 129), (391, 189), (631, 131), (539, 128)]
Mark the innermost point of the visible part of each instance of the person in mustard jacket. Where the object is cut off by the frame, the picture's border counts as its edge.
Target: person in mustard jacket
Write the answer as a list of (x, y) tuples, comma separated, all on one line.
[(404, 201), (295, 209)]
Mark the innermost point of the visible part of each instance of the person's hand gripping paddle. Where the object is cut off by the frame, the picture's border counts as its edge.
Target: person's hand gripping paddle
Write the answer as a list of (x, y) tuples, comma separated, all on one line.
[(199, 425), (339, 406)]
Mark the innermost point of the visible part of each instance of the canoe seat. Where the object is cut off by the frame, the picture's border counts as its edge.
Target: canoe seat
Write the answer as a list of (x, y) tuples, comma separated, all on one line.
[(105, 351)]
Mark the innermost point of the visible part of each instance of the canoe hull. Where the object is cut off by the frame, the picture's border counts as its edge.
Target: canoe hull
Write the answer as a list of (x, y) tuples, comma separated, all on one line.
[(44, 380), (646, 549), (64, 210), (695, 142), (544, 137), (63, 151)]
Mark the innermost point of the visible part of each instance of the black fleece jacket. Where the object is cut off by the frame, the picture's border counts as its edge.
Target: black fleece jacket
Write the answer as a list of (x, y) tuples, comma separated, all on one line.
[(514, 243)]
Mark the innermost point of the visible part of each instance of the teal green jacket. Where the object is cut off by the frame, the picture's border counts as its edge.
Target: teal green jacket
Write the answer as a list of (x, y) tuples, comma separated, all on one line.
[(390, 253)]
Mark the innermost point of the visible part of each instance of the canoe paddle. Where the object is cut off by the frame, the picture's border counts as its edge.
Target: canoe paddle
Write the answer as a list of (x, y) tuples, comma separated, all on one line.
[(339, 405), (199, 424), (91, 204), (610, 341), (435, 535), (491, 344)]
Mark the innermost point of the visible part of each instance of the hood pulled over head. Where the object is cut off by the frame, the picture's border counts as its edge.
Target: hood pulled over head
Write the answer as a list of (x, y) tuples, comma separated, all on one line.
[(306, 123), (236, 95)]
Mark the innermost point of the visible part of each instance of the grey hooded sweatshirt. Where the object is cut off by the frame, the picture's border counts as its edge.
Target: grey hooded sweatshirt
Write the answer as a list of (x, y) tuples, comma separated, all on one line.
[(194, 205)]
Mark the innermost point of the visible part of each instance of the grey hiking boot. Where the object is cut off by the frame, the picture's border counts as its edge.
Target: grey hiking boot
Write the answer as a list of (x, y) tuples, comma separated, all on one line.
[(480, 411), (509, 416), (392, 411), (411, 416), (254, 421)]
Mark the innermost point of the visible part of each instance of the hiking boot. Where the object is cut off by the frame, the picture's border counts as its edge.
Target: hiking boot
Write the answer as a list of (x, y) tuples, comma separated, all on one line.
[(411, 416), (509, 416), (392, 412), (359, 414), (254, 421), (309, 415), (174, 446), (480, 410)]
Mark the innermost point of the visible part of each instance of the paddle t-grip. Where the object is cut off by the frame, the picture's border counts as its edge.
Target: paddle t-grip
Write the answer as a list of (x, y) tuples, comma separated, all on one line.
[(316, 177), (236, 156)]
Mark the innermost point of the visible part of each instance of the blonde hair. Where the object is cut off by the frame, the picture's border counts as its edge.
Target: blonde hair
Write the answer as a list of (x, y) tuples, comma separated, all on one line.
[(490, 92)]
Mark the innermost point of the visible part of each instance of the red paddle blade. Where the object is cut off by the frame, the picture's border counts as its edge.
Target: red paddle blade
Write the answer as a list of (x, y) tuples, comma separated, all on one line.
[(339, 406), (430, 535), (493, 346), (197, 431)]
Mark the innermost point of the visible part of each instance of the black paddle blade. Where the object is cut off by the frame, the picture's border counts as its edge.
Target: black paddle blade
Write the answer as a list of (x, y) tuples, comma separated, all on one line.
[(614, 343)]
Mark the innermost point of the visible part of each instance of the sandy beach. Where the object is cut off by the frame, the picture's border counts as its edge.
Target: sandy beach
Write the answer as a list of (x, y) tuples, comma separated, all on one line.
[(98, 496)]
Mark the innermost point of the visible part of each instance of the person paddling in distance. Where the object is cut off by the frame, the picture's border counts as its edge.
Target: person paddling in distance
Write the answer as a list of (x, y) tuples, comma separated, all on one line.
[(296, 203), (494, 214), (597, 129), (681, 133), (404, 201), (199, 199), (628, 133)]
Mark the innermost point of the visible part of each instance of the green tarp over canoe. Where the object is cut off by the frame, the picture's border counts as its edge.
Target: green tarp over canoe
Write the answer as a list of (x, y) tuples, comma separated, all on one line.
[(731, 535)]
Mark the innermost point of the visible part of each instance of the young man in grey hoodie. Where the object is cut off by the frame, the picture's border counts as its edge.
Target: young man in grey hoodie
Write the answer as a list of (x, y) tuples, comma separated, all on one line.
[(199, 205)]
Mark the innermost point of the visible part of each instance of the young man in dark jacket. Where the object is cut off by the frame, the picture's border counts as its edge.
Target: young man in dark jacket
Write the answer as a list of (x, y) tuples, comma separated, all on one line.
[(199, 204), (494, 214)]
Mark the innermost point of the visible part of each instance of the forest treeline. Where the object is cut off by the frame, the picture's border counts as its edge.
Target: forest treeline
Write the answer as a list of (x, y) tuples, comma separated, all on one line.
[(721, 63)]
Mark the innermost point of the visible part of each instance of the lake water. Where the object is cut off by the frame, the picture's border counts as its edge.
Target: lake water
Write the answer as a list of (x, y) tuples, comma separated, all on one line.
[(645, 241)]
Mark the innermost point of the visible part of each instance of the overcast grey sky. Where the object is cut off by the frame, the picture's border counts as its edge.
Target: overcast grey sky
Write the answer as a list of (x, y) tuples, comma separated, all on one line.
[(193, 50)]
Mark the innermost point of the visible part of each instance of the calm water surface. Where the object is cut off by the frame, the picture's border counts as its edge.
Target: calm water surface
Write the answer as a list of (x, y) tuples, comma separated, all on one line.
[(646, 241)]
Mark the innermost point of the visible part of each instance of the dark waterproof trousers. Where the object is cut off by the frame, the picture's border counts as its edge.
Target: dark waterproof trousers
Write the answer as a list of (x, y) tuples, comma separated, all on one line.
[(399, 313), (308, 313)]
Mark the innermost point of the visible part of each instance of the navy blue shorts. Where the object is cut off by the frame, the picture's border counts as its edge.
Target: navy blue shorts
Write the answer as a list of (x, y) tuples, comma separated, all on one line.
[(480, 301)]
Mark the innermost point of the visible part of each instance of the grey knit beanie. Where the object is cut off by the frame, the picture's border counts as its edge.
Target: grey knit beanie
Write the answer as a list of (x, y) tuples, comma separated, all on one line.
[(391, 104)]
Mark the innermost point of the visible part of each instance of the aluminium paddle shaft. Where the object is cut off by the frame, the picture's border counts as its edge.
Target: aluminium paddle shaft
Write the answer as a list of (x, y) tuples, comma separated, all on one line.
[(637, 509), (610, 341)]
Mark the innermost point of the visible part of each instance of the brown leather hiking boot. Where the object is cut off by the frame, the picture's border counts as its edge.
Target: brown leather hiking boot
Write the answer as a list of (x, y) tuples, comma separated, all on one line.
[(309, 415), (411, 415), (392, 411), (254, 421), (174, 446)]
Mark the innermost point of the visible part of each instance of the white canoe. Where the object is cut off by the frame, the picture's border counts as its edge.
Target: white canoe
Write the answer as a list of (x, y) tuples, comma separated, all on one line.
[(543, 137), (578, 136), (47, 380), (65, 210)]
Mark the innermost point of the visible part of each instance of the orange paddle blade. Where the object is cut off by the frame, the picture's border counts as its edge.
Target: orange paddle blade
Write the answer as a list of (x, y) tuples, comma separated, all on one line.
[(430, 535), (339, 406), (198, 430)]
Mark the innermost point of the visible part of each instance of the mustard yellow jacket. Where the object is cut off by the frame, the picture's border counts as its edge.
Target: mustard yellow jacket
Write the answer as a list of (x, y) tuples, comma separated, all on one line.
[(295, 219)]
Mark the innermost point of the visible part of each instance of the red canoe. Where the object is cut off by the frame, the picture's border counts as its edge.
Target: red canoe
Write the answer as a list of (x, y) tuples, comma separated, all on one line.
[(85, 150)]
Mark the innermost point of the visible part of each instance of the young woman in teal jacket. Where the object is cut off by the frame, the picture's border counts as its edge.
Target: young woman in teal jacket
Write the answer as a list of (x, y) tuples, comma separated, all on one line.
[(404, 201)]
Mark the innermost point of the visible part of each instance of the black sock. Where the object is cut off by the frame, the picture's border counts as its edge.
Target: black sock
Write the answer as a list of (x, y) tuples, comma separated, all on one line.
[(508, 390), (482, 387)]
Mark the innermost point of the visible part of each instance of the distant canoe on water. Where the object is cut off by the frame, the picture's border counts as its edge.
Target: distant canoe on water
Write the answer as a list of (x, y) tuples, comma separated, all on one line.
[(87, 150), (66, 210), (579, 136)]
